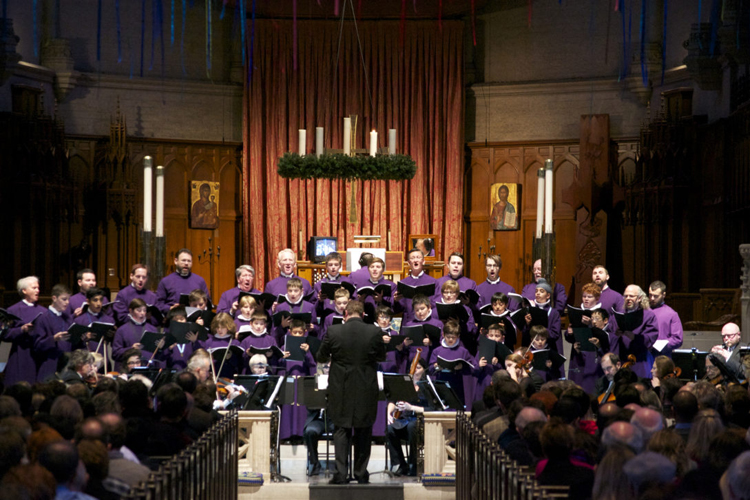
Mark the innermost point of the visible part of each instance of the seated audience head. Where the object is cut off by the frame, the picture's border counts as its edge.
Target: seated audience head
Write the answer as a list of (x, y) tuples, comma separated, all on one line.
[(106, 402), (506, 392), (12, 450), (706, 425), (527, 415), (94, 456), (9, 407), (735, 483), (622, 433), (62, 460), (32, 482), (648, 421), (557, 440), (725, 447), (610, 481), (668, 443), (684, 407), (547, 398), (66, 414), (172, 402), (709, 397), (649, 469), (626, 394), (187, 381)]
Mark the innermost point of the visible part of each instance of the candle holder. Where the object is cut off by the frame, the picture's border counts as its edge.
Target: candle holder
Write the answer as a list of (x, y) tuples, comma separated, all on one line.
[(544, 248), (160, 246), (147, 248)]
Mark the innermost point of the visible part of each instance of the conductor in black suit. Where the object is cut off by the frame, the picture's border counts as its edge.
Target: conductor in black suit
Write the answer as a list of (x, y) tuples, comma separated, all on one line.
[(354, 349)]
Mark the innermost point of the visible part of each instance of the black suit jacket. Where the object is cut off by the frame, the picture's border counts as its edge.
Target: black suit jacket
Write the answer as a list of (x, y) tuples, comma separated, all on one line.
[(354, 349)]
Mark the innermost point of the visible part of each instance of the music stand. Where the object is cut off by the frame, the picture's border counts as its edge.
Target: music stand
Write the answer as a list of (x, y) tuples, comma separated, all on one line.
[(442, 394), (396, 387), (313, 398), (690, 361)]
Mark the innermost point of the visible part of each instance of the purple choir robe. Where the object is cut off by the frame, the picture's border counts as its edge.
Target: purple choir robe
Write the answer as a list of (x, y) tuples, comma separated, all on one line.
[(396, 360), (555, 340), (127, 294), (304, 368), (640, 346), (360, 277), (483, 376), (173, 285), (559, 295), (583, 367), (611, 299), (324, 307), (177, 357), (302, 306), (128, 335), (469, 330), (21, 366), (323, 330), (370, 304), (230, 297), (78, 300), (48, 351), (86, 319), (487, 289), (233, 365), (405, 304), (464, 284), (277, 286), (463, 381), (259, 341), (426, 350), (670, 328), (241, 321)]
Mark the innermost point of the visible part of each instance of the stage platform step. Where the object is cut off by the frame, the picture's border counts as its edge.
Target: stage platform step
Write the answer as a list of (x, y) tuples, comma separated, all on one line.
[(374, 491)]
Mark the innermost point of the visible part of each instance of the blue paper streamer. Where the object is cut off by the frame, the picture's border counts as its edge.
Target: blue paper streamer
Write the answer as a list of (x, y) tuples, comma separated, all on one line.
[(623, 70), (5, 9), (119, 32), (153, 34), (715, 8), (223, 9), (36, 33), (99, 31), (160, 30), (171, 25), (644, 68), (664, 43), (252, 46), (143, 31), (243, 13), (182, 37)]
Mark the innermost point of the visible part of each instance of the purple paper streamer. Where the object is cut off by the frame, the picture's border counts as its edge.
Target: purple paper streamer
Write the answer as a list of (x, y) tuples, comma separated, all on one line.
[(143, 31), (252, 45), (644, 68), (294, 34), (715, 8), (414, 6), (223, 8), (99, 31), (335, 7), (664, 42), (36, 33), (243, 14), (119, 31), (153, 34), (171, 25)]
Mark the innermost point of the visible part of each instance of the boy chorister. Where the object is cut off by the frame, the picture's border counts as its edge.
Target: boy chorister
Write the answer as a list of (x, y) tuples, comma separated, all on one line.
[(259, 338), (294, 303), (129, 335), (340, 300), (51, 338)]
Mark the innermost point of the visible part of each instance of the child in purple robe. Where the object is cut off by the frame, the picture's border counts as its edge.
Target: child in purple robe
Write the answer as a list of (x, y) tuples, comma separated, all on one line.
[(51, 338), (422, 316), (340, 301), (395, 359), (294, 304), (129, 335), (222, 335), (93, 314), (246, 309), (298, 368), (179, 354), (259, 338), (449, 291), (450, 349)]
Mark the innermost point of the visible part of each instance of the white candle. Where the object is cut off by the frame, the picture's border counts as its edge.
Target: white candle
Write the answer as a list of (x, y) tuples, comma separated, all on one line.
[(539, 202), (302, 142), (159, 201), (147, 180), (319, 136), (373, 143), (347, 136), (548, 188), (392, 141)]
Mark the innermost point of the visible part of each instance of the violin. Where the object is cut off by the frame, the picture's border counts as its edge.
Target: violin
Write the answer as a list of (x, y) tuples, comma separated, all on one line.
[(675, 374), (609, 396), (528, 357), (412, 371), (223, 385)]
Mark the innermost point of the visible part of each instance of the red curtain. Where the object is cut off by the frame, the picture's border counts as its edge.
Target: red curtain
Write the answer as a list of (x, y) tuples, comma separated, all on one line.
[(417, 88)]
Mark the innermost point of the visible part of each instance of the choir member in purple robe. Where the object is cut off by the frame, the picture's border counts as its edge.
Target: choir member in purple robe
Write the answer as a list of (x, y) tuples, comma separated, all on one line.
[(422, 315), (298, 368), (86, 280), (340, 300), (396, 358), (51, 338), (449, 295), (543, 300), (180, 282), (222, 336), (361, 276), (639, 341), (324, 304), (136, 290), (260, 339), (417, 277), (177, 355), (484, 368), (95, 299), (294, 304), (450, 349), (493, 284), (228, 302), (287, 262), (560, 297), (129, 336), (455, 273), (21, 366), (373, 300), (584, 368), (667, 319), (610, 299), (247, 307), (540, 342)]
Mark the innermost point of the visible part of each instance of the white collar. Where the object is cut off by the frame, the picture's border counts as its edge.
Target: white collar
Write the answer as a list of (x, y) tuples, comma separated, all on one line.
[(333, 278), (542, 304), (27, 303), (449, 303), (417, 276), (375, 282), (597, 306), (135, 322), (286, 275), (55, 311), (227, 336), (429, 315), (301, 299), (442, 343), (242, 318), (265, 330), (493, 282)]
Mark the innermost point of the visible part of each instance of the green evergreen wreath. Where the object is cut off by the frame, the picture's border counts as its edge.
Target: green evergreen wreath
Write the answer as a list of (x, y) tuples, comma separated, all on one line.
[(339, 166)]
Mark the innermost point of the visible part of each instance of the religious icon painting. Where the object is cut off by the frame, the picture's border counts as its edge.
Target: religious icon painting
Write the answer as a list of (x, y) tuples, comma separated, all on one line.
[(204, 202), (505, 206)]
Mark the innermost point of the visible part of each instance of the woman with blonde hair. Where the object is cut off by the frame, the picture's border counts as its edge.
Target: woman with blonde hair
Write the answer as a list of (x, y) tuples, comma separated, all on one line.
[(706, 425), (610, 482)]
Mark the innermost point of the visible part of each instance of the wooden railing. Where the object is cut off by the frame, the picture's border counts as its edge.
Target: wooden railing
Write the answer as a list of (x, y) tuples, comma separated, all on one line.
[(484, 471)]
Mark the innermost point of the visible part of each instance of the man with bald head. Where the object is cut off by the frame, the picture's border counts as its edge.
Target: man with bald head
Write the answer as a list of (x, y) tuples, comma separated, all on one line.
[(639, 341), (623, 433), (245, 278), (559, 297), (684, 410), (648, 421), (729, 350), (287, 263)]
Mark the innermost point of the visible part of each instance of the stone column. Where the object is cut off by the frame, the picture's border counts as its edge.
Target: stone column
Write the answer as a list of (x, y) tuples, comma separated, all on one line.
[(745, 298)]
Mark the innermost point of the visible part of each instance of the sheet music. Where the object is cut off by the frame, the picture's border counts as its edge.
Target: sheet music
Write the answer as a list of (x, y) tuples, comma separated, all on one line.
[(322, 381), (380, 381)]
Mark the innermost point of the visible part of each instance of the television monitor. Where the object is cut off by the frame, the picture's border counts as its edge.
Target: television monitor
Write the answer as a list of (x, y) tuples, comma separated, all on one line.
[(320, 246)]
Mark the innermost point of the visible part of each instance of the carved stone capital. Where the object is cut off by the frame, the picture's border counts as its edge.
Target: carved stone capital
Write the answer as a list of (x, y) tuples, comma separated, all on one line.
[(57, 55), (703, 64), (8, 56)]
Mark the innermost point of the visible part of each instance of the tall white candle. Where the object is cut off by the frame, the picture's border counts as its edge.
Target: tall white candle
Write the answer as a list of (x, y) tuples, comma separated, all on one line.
[(539, 202), (392, 141), (319, 136), (373, 143), (159, 201), (148, 167), (347, 136), (302, 142), (548, 188)]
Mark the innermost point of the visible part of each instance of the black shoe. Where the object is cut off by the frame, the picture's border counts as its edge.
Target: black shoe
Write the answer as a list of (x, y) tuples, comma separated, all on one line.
[(337, 480), (363, 481), (402, 470), (315, 469)]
